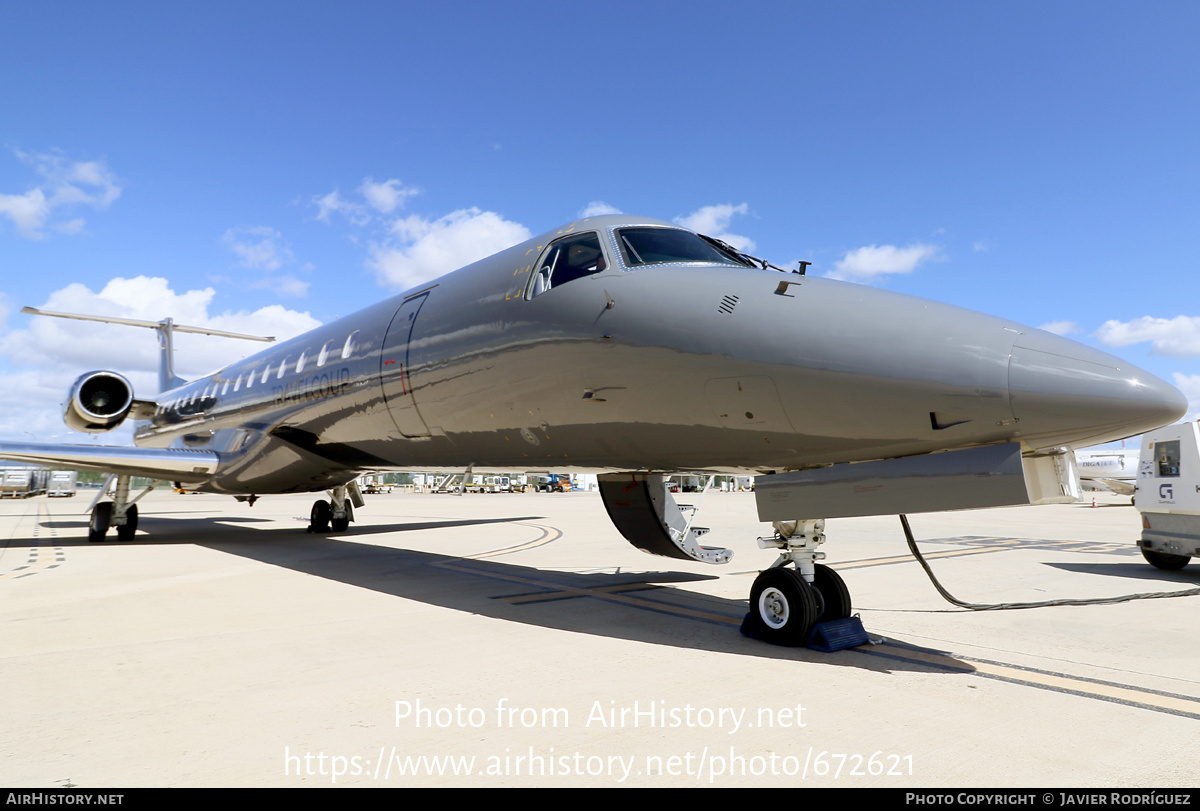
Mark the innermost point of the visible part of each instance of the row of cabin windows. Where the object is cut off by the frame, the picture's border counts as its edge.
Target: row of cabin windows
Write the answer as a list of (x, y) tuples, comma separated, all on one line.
[(249, 379)]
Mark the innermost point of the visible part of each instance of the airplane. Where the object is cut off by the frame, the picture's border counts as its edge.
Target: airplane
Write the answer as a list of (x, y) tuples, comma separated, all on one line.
[(636, 348), (1114, 470)]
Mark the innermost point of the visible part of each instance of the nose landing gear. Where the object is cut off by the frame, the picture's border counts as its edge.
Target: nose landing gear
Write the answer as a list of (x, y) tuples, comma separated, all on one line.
[(785, 603)]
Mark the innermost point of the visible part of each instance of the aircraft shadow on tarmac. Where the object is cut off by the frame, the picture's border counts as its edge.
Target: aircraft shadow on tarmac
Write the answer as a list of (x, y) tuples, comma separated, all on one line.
[(150, 520), (1133, 570), (636, 606), (159, 531)]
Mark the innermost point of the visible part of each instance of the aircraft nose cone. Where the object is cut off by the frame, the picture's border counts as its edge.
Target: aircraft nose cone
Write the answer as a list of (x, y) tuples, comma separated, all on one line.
[(1063, 392)]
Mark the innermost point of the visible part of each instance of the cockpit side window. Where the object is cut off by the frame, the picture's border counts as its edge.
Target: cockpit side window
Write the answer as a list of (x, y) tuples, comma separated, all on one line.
[(656, 246), (565, 260)]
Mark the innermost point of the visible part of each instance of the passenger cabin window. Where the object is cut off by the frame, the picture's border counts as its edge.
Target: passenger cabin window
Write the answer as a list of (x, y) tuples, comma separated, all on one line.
[(656, 246), (300, 362), (564, 261), (324, 354), (348, 347)]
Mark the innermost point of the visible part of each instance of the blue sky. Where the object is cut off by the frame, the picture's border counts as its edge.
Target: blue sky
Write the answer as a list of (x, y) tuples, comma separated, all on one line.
[(267, 166)]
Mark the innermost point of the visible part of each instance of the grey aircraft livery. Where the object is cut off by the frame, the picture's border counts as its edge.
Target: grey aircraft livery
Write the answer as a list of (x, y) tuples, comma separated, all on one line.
[(636, 348)]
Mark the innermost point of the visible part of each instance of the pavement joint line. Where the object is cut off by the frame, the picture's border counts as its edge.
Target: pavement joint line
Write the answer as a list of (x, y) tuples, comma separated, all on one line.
[(43, 554), (1114, 692), (558, 591)]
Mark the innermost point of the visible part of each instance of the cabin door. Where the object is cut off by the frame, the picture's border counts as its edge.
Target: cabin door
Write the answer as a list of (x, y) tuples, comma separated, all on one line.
[(395, 370)]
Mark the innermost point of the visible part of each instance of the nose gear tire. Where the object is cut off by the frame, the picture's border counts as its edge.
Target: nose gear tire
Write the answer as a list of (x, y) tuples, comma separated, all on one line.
[(783, 607)]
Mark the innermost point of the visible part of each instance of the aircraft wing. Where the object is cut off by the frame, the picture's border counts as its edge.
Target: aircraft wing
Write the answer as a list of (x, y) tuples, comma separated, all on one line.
[(156, 463), (1118, 486)]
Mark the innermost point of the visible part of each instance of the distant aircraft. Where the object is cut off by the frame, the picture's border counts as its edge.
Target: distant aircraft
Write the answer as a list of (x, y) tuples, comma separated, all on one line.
[(1114, 470), (639, 348)]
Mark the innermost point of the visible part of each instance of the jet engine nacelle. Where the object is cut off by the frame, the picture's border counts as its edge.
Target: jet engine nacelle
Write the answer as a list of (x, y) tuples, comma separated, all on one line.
[(98, 402)]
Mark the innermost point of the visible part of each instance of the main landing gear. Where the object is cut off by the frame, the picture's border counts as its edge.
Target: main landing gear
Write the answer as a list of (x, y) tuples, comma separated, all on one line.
[(337, 513), (786, 603), (121, 512)]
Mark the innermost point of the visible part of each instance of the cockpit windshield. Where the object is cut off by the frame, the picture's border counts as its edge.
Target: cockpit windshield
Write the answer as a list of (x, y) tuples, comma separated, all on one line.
[(654, 246)]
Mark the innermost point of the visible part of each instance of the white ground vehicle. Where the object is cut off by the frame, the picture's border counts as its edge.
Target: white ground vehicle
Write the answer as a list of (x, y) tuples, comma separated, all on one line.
[(1168, 495)]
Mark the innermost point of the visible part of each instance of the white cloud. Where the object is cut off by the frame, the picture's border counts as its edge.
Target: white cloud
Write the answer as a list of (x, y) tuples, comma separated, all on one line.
[(263, 248), (28, 211), (1177, 337), (383, 198), (1190, 386), (44, 357), (419, 249), (872, 261), (64, 185), (407, 250), (598, 208), (332, 203), (284, 285), (258, 247), (29, 408), (714, 221), (387, 196), (1060, 327)]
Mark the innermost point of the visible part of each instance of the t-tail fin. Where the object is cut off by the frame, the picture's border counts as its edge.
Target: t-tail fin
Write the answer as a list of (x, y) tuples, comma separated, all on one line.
[(167, 379)]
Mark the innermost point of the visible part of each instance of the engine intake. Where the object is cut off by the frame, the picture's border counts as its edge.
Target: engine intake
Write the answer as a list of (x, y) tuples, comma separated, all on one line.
[(98, 402)]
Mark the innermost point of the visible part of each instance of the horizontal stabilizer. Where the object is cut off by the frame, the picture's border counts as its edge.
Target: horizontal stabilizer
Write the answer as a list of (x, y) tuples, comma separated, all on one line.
[(156, 463)]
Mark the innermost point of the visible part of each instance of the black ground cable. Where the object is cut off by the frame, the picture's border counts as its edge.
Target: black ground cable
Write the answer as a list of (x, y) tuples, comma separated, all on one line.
[(912, 546)]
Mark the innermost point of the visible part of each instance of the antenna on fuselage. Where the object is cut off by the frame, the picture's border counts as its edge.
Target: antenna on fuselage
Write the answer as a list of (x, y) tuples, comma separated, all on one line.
[(166, 330)]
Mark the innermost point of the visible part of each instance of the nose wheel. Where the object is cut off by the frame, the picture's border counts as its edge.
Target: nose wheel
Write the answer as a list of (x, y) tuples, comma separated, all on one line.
[(833, 598), (786, 602), (784, 606)]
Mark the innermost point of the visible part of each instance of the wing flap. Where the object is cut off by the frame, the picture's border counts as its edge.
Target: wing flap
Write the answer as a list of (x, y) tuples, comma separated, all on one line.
[(157, 463)]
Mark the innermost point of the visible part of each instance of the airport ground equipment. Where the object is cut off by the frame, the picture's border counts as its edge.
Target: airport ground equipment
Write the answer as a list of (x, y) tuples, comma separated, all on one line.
[(63, 483), (1168, 495), (23, 482)]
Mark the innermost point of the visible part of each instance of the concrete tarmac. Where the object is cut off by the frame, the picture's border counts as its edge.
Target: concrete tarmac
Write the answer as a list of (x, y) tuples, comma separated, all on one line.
[(518, 640)]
